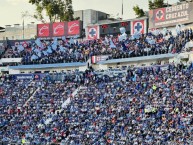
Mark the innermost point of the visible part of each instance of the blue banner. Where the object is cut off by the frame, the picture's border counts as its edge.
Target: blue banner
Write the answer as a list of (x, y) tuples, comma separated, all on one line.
[(24, 76)]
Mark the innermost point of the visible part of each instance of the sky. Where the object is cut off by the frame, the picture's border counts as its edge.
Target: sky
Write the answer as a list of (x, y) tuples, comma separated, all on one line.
[(11, 10)]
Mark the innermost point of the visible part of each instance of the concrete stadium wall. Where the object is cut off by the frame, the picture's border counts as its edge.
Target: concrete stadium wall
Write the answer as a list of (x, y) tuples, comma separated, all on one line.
[(15, 71)]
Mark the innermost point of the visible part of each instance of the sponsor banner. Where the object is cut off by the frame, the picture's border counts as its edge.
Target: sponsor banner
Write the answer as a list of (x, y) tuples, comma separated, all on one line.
[(43, 30), (138, 26), (37, 76), (93, 32), (24, 76), (96, 59), (58, 29), (74, 28), (170, 16)]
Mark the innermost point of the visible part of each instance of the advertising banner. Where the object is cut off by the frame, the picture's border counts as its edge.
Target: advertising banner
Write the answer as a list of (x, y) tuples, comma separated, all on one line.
[(74, 28), (43, 30), (58, 29), (24, 76), (96, 59), (28, 76), (170, 16)]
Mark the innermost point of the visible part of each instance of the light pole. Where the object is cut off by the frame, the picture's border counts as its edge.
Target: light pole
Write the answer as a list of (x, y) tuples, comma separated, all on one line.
[(24, 15), (122, 10)]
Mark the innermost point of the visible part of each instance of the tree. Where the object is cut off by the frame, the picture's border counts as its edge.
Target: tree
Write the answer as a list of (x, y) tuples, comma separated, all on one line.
[(154, 4), (68, 11), (139, 12), (60, 10)]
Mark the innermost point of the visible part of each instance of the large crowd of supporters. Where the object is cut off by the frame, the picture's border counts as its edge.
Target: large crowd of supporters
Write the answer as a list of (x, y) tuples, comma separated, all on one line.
[(146, 105), (65, 51)]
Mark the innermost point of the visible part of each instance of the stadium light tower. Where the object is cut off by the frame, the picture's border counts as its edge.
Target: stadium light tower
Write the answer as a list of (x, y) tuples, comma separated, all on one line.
[(122, 11), (24, 15)]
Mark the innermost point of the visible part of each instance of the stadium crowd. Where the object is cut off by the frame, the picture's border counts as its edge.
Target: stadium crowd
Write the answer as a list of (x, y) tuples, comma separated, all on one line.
[(147, 105), (64, 51)]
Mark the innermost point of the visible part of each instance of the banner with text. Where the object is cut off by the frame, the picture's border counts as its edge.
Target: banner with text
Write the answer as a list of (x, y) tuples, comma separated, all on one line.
[(170, 16), (96, 59), (28, 76)]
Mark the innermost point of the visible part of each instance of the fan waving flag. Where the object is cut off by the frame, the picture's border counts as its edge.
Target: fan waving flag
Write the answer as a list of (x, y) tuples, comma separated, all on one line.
[(92, 32)]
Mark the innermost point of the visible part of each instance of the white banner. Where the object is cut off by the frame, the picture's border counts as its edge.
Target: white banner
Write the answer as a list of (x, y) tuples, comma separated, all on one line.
[(9, 60)]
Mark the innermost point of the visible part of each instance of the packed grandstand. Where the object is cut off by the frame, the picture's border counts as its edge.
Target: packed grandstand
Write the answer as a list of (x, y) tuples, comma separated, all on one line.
[(137, 105), (150, 105), (129, 105), (66, 51)]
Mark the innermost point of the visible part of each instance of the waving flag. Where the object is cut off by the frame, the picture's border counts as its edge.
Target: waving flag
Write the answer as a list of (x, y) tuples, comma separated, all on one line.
[(112, 45)]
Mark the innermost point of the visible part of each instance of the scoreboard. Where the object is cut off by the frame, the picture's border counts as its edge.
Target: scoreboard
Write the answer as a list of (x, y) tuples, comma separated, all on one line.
[(114, 28)]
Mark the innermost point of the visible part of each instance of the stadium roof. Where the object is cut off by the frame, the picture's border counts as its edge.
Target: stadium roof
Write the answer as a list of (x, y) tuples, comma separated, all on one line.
[(2, 29), (135, 59), (43, 66)]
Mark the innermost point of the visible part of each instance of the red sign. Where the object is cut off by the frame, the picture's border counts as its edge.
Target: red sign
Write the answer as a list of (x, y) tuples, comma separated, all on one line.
[(58, 29), (93, 32), (43, 30), (96, 59), (74, 28), (139, 26), (159, 14)]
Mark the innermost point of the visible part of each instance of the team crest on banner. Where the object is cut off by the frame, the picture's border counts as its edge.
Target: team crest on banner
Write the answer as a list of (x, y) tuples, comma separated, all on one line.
[(93, 32), (159, 14), (138, 26)]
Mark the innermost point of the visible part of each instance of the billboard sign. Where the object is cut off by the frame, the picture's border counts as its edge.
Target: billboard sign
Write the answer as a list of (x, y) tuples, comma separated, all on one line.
[(43, 30), (58, 29), (73, 28), (170, 16)]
